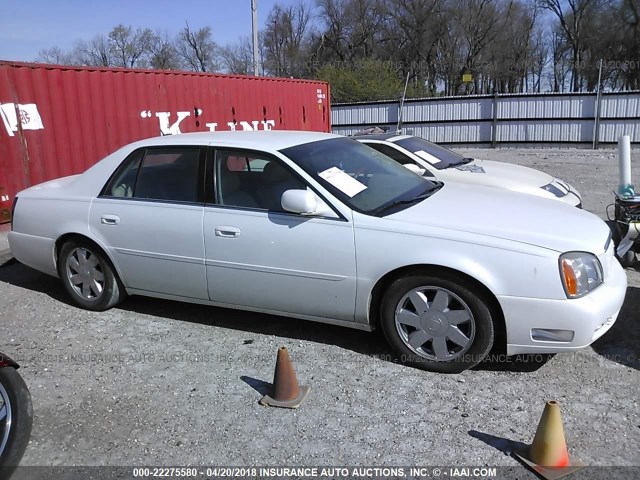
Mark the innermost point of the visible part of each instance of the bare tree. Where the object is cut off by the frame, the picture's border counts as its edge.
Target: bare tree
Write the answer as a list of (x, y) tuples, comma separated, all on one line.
[(128, 46), (410, 33), (162, 52), (561, 61), (197, 49), (480, 24), (572, 15), (334, 37), (365, 20), (506, 46), (238, 57), (352, 29), (449, 56), (286, 41), (507, 59), (627, 54), (55, 55), (540, 58), (95, 52)]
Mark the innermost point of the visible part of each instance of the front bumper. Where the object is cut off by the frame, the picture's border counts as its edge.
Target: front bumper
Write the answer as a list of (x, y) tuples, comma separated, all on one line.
[(587, 318)]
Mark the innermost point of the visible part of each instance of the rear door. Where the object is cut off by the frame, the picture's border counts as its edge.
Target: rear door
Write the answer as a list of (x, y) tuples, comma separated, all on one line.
[(150, 217)]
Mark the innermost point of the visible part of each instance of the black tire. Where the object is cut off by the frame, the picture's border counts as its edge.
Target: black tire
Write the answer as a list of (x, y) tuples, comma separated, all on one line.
[(112, 291), (21, 420), (629, 258), (480, 330)]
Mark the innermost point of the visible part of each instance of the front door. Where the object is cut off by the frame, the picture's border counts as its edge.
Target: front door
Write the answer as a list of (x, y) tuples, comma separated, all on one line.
[(259, 256)]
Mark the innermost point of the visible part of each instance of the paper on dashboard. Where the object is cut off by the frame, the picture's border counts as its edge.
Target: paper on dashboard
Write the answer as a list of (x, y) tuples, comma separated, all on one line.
[(427, 156), (343, 181)]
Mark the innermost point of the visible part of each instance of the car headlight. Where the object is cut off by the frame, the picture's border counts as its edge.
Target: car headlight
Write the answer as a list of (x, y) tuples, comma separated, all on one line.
[(581, 272), (554, 189)]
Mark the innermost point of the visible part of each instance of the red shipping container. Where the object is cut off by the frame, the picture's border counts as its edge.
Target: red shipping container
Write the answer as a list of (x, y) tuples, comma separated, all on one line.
[(59, 120)]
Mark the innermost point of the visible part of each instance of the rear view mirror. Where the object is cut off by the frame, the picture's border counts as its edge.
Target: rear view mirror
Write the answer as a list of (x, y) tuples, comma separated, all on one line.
[(299, 201)]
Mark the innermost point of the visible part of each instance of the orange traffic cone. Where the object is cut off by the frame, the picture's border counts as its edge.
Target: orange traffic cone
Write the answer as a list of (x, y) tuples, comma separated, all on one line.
[(287, 393), (548, 455)]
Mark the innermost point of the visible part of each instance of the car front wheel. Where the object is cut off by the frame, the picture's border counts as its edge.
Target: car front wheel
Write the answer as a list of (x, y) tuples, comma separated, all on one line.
[(16, 417), (436, 323), (88, 276)]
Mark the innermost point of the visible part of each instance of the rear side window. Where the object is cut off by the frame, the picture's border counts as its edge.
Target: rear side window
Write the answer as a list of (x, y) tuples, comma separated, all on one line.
[(169, 174)]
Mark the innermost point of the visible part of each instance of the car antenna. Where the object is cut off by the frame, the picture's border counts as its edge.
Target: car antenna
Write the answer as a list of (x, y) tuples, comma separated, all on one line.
[(404, 94)]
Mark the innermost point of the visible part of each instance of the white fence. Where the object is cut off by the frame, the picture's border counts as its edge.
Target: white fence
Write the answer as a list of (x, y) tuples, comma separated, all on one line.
[(502, 119)]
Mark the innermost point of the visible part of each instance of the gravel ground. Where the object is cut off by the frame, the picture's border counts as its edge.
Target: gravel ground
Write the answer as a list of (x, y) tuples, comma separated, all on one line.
[(160, 382)]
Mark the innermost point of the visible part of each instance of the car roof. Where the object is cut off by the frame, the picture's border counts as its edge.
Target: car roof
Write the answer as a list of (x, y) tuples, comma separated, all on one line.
[(260, 140), (381, 136)]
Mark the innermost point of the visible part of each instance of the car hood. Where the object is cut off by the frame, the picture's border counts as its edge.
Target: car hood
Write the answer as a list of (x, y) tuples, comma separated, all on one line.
[(496, 174), (510, 216)]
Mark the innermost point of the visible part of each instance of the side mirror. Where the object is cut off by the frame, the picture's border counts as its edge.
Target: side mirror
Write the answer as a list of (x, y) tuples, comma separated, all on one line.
[(414, 168), (299, 201)]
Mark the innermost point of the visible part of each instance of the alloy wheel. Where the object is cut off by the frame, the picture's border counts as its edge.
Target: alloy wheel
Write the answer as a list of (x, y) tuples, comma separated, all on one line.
[(5, 419), (435, 323), (85, 273)]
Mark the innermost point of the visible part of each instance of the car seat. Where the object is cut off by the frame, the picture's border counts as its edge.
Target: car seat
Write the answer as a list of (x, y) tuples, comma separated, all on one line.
[(231, 192), (276, 180)]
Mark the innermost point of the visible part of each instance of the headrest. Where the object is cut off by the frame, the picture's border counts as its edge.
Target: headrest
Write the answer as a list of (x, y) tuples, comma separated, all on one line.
[(274, 172), (236, 164)]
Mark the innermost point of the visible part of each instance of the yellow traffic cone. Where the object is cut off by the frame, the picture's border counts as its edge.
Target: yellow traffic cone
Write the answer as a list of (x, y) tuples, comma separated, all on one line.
[(287, 393), (548, 455)]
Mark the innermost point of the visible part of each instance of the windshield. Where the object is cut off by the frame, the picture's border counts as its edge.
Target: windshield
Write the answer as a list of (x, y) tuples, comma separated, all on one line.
[(436, 155), (362, 178)]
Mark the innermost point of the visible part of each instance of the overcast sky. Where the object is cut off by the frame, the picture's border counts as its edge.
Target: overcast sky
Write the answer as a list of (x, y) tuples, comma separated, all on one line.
[(28, 26)]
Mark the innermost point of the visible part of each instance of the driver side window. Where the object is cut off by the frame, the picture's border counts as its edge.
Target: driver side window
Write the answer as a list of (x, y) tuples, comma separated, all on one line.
[(252, 180)]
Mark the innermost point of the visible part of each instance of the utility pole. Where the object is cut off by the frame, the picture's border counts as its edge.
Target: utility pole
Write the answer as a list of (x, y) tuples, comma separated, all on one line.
[(254, 31), (596, 123)]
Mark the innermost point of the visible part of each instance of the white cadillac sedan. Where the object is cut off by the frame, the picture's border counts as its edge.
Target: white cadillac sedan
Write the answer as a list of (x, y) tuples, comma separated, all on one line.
[(442, 164), (320, 227)]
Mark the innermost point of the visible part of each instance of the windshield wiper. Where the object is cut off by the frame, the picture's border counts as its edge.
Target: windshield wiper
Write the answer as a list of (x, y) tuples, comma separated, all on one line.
[(464, 161), (427, 193)]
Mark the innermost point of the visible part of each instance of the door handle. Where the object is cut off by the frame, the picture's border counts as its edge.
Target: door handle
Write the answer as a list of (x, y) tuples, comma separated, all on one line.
[(110, 219), (229, 232)]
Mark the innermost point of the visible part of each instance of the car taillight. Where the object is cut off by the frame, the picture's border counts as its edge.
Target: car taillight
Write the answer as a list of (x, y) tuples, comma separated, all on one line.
[(13, 209)]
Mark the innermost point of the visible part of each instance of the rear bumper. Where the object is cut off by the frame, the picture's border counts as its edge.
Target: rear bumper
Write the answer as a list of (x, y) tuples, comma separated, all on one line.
[(583, 320), (35, 252)]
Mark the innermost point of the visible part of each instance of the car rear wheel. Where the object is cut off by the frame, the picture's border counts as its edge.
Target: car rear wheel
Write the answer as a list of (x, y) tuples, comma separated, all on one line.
[(88, 276), (436, 323)]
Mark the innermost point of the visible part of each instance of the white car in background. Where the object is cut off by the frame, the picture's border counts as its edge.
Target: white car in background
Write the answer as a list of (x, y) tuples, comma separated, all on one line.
[(445, 165), (320, 227)]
